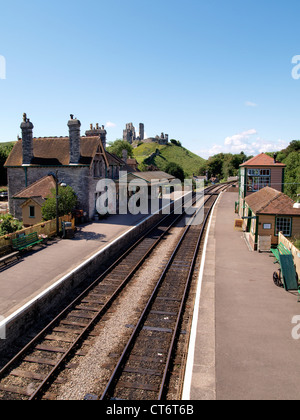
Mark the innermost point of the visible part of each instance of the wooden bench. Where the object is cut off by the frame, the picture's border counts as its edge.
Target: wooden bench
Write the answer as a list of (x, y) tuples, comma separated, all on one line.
[(26, 241), (280, 250)]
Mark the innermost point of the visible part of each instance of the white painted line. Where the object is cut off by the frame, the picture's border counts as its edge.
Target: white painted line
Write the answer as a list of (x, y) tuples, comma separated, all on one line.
[(186, 395)]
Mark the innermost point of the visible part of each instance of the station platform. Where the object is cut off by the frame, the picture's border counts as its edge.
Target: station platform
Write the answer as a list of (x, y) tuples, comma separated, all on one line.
[(37, 270), (241, 346), (36, 284)]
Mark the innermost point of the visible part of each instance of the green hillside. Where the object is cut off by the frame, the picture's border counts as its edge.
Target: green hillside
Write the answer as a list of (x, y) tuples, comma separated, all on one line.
[(189, 162)]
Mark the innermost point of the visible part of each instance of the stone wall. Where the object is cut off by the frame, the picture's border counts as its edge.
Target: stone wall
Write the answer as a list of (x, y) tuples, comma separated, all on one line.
[(26, 318), (77, 177)]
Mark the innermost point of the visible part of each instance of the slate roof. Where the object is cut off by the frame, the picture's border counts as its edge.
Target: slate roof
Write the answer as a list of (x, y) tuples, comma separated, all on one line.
[(150, 176), (262, 160), (270, 201)]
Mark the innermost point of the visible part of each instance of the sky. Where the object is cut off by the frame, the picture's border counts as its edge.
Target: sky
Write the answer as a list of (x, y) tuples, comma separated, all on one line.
[(218, 75)]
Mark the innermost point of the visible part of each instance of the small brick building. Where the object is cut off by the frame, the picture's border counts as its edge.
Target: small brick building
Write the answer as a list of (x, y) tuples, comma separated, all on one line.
[(257, 173), (269, 212)]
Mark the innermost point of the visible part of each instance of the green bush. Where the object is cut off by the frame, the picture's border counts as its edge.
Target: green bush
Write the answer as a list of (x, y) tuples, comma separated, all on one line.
[(118, 146), (176, 170), (9, 225), (296, 241), (66, 203)]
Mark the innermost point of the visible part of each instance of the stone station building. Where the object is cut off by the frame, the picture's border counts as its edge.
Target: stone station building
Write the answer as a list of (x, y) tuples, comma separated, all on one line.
[(78, 161)]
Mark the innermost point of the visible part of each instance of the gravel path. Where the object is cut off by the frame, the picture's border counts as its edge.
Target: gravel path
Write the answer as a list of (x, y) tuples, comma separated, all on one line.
[(92, 373)]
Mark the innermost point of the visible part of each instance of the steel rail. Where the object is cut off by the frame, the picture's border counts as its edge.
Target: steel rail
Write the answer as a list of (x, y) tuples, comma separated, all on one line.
[(38, 392), (60, 316), (182, 304), (126, 352)]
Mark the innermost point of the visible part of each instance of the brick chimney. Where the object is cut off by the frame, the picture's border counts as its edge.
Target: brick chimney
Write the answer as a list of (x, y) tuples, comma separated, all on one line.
[(74, 135), (97, 132), (27, 140)]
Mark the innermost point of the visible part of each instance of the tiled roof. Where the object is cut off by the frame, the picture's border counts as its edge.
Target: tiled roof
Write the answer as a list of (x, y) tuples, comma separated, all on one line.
[(53, 151), (270, 201), (115, 160), (41, 188), (262, 160), (131, 161), (38, 200)]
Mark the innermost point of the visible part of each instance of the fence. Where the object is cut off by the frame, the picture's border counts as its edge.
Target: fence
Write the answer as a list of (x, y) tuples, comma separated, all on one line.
[(295, 251), (45, 228)]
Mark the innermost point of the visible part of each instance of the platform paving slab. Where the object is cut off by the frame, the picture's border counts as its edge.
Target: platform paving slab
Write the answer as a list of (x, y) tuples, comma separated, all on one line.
[(21, 281), (244, 345)]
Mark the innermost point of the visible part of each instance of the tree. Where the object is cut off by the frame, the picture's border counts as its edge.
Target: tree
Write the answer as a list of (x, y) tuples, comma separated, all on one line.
[(215, 165), (66, 203), (292, 175), (176, 170), (202, 169), (223, 165), (291, 157), (5, 150), (118, 146), (9, 225), (176, 142)]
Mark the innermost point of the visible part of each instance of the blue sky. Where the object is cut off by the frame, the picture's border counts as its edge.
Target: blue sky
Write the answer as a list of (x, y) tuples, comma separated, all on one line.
[(215, 74)]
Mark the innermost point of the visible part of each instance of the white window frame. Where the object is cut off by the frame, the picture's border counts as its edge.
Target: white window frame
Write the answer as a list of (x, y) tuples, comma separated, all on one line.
[(260, 178), (286, 222)]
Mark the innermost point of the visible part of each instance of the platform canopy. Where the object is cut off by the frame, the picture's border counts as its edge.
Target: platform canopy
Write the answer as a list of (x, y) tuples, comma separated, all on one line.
[(151, 177)]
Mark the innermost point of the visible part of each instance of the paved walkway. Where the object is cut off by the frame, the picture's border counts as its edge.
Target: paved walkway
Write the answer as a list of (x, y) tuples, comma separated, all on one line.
[(22, 280), (244, 346)]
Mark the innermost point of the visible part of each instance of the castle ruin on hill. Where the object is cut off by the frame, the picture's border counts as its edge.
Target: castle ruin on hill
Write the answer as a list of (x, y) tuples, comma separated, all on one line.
[(129, 135)]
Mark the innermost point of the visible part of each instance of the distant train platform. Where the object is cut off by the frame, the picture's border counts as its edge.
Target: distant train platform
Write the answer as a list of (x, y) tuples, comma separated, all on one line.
[(242, 347)]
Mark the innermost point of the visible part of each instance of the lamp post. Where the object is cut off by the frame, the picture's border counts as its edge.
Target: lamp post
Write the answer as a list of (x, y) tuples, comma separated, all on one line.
[(62, 184), (57, 198)]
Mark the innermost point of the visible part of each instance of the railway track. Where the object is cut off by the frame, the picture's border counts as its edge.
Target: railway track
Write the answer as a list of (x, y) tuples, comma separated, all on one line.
[(142, 371), (30, 374)]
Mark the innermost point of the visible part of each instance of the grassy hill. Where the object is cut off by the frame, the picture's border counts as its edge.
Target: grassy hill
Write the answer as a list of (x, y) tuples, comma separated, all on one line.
[(8, 143), (189, 162)]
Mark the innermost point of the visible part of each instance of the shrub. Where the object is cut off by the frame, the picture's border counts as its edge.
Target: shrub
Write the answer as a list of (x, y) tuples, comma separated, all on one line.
[(9, 225), (66, 203)]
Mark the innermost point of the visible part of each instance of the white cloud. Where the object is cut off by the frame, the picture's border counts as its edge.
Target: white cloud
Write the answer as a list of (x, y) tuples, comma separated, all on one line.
[(110, 124), (238, 140), (249, 103), (248, 141)]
